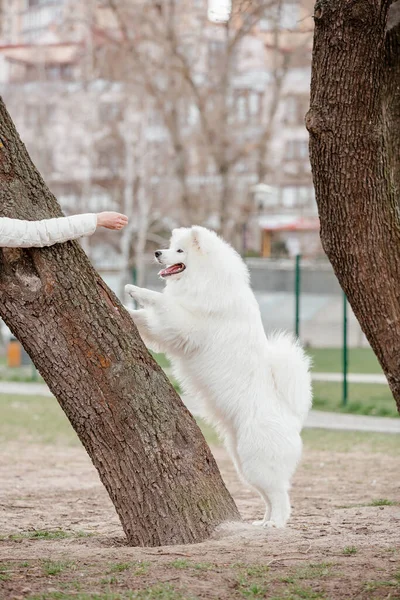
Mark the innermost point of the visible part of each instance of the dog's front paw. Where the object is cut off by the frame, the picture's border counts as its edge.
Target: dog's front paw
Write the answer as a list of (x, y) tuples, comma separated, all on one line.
[(131, 290)]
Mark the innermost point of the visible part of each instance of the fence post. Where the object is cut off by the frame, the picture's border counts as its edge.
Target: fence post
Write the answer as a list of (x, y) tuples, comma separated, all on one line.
[(345, 353), (297, 295)]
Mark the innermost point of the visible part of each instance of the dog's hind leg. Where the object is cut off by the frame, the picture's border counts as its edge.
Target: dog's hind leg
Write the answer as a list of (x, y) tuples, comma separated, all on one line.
[(278, 509), (267, 461)]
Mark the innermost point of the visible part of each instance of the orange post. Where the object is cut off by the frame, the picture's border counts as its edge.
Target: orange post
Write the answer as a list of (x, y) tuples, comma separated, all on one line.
[(14, 353)]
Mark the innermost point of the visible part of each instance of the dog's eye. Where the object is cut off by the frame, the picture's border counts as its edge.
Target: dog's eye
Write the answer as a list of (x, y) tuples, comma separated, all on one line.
[(179, 250)]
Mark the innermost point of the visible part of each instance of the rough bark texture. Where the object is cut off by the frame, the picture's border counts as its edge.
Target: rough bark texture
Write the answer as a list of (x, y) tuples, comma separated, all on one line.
[(360, 225), (392, 95), (147, 448)]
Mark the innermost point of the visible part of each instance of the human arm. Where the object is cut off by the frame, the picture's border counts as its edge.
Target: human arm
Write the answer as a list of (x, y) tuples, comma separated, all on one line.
[(18, 233)]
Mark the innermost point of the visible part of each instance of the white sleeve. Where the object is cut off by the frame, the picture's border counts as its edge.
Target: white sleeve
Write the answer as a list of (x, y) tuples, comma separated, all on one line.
[(16, 233)]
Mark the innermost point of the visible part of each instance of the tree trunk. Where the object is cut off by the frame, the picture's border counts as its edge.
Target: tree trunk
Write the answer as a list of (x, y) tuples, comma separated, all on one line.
[(392, 96), (147, 448), (360, 225)]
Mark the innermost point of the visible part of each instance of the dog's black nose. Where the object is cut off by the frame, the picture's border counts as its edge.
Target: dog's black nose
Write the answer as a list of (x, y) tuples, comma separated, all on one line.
[(157, 253)]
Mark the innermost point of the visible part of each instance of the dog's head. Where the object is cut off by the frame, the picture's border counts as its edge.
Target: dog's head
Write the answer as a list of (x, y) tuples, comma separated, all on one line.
[(184, 245), (198, 251)]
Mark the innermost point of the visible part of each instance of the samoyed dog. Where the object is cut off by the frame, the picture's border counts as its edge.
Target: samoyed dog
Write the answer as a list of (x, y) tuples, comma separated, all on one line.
[(255, 390)]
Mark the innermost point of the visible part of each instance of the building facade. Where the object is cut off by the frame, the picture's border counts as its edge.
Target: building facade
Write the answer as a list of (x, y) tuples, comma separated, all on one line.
[(167, 116)]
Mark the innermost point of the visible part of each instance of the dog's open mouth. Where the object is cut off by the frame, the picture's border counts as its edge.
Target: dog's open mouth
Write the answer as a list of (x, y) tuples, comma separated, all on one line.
[(172, 270)]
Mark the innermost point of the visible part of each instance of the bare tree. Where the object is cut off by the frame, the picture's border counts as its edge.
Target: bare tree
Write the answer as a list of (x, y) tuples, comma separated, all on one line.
[(198, 73)]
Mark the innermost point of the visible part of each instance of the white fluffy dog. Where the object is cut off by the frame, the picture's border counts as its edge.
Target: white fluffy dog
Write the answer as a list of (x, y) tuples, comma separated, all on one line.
[(255, 390)]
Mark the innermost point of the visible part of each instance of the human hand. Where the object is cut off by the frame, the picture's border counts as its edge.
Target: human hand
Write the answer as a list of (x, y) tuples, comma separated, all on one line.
[(111, 220)]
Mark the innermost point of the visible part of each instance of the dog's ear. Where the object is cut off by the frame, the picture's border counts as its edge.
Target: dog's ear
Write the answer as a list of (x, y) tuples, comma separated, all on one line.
[(196, 237)]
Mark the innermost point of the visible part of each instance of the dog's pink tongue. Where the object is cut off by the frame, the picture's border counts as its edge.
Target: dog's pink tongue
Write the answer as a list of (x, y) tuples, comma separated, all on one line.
[(170, 270)]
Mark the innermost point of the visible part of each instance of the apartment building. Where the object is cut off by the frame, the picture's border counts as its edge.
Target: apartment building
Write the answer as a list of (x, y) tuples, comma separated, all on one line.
[(93, 126)]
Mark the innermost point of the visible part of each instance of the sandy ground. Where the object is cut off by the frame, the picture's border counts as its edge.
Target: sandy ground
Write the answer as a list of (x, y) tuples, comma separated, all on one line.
[(337, 544)]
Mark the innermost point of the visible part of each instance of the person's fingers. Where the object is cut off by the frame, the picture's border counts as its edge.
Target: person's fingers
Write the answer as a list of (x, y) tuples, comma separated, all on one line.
[(112, 220)]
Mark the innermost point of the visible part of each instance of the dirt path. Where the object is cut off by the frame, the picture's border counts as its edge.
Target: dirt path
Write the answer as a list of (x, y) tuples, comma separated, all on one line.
[(333, 548)]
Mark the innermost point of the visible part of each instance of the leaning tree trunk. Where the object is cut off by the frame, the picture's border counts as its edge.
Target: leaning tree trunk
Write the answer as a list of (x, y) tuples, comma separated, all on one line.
[(147, 448), (360, 224)]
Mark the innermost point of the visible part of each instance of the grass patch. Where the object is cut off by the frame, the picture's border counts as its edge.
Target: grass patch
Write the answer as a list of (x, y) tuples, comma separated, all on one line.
[(161, 359), (55, 567), (40, 419), (251, 580), (299, 593), (252, 590), (158, 592), (349, 550), (314, 571), (382, 502), (23, 374), (4, 576), (181, 563), (109, 580), (119, 567), (205, 566), (329, 360), (35, 419), (363, 398), (310, 571), (350, 441), (371, 586), (136, 568), (45, 534)]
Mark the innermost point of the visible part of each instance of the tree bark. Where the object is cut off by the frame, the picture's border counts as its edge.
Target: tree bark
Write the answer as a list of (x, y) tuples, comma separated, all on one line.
[(392, 96), (146, 446), (360, 225)]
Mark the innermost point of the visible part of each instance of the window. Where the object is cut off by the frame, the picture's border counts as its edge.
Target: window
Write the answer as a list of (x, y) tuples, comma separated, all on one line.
[(296, 150), (284, 14), (289, 197), (289, 15), (109, 157), (32, 114), (100, 200), (305, 195), (291, 110), (296, 108), (188, 113), (155, 118), (32, 3), (69, 202), (247, 106), (216, 53), (108, 111), (298, 196)]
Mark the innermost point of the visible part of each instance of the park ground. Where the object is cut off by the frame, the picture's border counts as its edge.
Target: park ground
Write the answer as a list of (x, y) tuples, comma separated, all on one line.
[(60, 538)]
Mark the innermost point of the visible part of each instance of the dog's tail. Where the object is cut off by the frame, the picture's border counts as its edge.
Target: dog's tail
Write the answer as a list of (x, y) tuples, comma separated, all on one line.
[(291, 372)]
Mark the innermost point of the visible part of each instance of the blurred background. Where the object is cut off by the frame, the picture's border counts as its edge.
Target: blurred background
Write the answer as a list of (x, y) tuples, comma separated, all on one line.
[(154, 109), (180, 112)]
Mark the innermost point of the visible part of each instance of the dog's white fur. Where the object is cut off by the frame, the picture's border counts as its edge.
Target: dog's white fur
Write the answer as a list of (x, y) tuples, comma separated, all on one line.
[(255, 390)]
